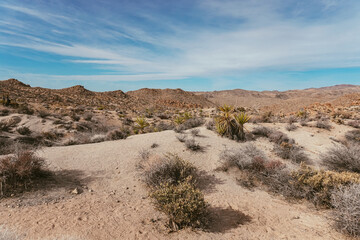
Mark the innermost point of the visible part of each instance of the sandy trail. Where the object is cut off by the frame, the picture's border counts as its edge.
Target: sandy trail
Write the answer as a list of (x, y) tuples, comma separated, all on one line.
[(117, 206)]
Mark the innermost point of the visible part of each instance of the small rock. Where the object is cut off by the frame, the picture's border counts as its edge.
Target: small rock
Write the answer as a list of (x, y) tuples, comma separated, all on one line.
[(76, 191)]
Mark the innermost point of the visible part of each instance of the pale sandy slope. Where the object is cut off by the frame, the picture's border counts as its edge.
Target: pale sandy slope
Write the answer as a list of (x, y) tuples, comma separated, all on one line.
[(118, 207)]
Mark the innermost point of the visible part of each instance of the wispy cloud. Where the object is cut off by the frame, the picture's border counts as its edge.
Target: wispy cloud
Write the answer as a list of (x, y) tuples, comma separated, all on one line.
[(159, 43)]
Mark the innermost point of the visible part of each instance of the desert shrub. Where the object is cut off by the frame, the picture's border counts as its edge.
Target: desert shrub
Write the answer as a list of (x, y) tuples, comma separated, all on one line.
[(304, 122), (144, 155), (343, 158), (127, 121), (162, 126), (43, 113), (291, 127), (318, 184), (183, 203), (7, 124), (280, 137), (181, 137), (261, 131), (24, 109), (353, 135), (291, 152), (4, 112), (96, 138), (195, 132), (324, 124), (266, 117), (154, 145), (23, 130), (19, 170), (192, 145), (170, 169), (355, 123), (88, 116), (117, 134), (346, 203), (163, 116), (6, 145), (291, 120), (210, 125), (189, 123), (241, 157)]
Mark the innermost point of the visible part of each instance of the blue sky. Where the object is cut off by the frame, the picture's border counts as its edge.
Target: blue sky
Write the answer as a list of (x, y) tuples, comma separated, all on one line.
[(190, 44)]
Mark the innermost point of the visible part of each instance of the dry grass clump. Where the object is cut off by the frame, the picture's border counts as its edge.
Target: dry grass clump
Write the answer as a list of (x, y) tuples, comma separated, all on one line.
[(25, 109), (183, 203), (189, 123), (19, 170), (117, 134), (195, 132), (291, 152), (343, 158), (323, 123), (242, 157), (23, 130), (172, 183), (280, 137), (169, 169), (192, 145), (291, 127), (210, 125), (353, 135), (319, 184), (261, 131), (346, 203), (181, 137)]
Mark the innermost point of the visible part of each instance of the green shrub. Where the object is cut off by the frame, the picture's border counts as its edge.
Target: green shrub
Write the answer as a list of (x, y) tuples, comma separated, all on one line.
[(183, 203)]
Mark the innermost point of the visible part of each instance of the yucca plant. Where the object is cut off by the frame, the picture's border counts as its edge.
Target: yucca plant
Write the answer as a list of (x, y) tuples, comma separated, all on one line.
[(241, 119), (187, 115), (179, 120), (141, 123), (230, 124)]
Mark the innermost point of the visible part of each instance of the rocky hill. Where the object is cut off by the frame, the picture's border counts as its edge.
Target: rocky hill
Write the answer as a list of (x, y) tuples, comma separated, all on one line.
[(280, 102), (78, 95)]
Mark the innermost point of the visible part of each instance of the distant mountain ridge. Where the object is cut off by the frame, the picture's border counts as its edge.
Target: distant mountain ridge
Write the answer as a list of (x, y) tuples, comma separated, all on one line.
[(276, 101)]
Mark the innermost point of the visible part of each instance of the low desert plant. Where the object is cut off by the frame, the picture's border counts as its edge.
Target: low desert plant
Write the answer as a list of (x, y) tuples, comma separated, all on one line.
[(141, 124), (23, 130), (355, 123), (319, 184), (183, 203), (343, 158), (241, 157), (291, 127), (25, 109), (19, 170), (291, 152), (346, 203), (195, 132), (280, 137), (188, 124), (169, 169), (353, 135), (210, 125), (117, 134), (262, 131), (181, 137), (192, 145), (324, 124)]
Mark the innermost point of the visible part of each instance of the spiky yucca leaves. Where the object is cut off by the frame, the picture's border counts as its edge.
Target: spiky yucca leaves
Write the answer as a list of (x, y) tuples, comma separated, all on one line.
[(141, 123), (179, 120), (230, 124)]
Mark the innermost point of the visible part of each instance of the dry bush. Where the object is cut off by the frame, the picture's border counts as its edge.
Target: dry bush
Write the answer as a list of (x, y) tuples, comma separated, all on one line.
[(291, 120), (291, 127), (23, 130), (195, 132), (241, 157), (304, 122), (169, 169), (192, 145), (319, 184), (181, 137), (25, 109), (189, 123), (183, 203), (353, 135), (7, 124), (343, 158), (4, 112), (262, 131), (324, 124), (355, 123), (6, 146), (19, 170), (279, 138), (346, 203), (117, 134), (154, 145), (144, 155), (162, 126), (210, 125), (291, 152)]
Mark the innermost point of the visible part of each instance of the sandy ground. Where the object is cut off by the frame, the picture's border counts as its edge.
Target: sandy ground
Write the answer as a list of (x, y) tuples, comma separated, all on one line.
[(114, 203)]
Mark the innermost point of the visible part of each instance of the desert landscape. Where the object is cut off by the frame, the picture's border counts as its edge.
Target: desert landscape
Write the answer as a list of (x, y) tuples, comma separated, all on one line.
[(171, 164)]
